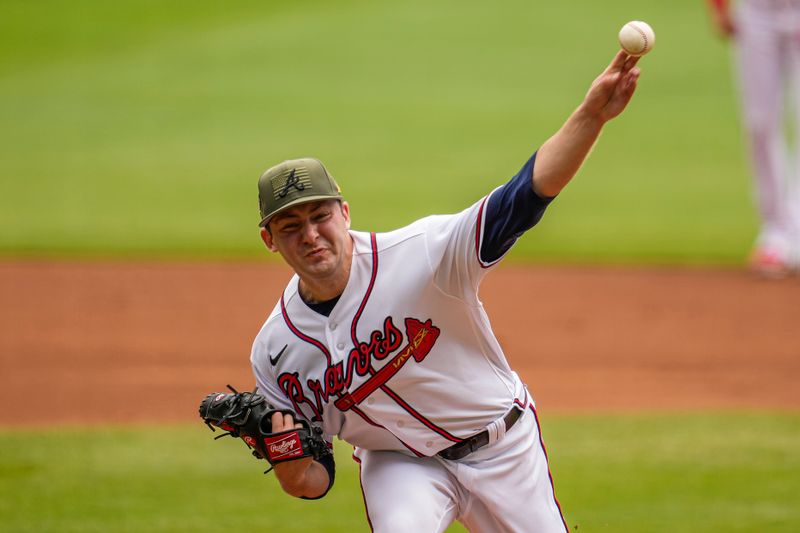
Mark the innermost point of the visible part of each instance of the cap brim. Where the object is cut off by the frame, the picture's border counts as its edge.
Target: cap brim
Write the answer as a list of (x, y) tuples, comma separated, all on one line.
[(303, 200)]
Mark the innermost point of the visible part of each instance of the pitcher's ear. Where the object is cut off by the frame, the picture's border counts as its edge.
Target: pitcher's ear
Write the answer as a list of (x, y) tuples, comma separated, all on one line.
[(346, 213), (266, 236)]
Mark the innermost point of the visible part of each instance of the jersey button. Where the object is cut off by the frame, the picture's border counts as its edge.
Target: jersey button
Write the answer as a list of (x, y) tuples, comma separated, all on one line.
[(333, 326), (370, 400), (400, 424), (428, 444), (340, 346)]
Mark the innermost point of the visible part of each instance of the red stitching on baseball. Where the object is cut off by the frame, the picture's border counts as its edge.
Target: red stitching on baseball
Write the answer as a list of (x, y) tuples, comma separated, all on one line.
[(644, 37)]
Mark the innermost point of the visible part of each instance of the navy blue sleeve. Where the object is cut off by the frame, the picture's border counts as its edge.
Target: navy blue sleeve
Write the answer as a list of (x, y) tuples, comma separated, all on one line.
[(330, 466), (511, 210)]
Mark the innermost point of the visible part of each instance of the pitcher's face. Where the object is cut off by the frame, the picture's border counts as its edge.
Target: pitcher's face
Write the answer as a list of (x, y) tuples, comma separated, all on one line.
[(311, 237)]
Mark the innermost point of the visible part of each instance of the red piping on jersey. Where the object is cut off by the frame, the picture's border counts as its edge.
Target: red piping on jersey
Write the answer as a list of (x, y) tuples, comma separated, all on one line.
[(363, 494), (392, 394), (361, 413), (478, 235), (327, 354), (324, 350), (410, 410), (302, 335), (357, 316), (549, 474)]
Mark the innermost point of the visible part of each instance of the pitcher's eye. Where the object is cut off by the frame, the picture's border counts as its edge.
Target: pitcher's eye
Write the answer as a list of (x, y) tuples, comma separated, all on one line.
[(323, 216)]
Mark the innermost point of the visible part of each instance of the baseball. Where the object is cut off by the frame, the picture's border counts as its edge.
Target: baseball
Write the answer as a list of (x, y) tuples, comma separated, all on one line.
[(637, 38)]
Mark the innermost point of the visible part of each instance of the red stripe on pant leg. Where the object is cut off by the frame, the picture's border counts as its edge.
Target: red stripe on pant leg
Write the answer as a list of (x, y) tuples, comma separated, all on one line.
[(547, 461), (363, 494)]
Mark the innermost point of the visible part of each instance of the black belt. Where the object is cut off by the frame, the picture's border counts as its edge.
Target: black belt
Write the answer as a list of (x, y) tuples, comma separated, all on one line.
[(479, 440)]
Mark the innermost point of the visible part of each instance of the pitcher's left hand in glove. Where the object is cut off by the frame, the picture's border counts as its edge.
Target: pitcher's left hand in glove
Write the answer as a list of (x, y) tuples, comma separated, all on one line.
[(248, 415)]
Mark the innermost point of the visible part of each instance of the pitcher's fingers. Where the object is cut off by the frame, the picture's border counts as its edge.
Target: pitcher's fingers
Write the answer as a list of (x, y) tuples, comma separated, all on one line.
[(618, 62), (629, 83), (277, 421), (288, 421), (630, 62)]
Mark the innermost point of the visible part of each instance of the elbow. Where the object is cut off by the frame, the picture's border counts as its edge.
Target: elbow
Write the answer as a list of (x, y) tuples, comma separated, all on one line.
[(546, 191), (294, 487)]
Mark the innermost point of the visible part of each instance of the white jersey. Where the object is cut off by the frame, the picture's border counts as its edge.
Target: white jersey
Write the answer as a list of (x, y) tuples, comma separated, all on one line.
[(407, 360)]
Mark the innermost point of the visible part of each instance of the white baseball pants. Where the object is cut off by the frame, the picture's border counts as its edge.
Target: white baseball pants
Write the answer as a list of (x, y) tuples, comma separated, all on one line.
[(503, 487), (768, 53)]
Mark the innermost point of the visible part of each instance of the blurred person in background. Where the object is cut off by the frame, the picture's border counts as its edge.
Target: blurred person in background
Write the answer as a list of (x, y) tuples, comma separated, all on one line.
[(766, 35)]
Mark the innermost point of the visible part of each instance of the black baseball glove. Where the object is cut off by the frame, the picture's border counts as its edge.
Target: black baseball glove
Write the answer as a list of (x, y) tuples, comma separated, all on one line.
[(248, 415)]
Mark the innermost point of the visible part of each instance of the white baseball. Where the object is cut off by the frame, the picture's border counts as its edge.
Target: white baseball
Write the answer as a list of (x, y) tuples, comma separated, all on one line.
[(637, 38)]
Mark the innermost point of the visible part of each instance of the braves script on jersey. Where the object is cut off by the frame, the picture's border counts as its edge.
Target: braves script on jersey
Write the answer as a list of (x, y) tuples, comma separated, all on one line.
[(407, 348)]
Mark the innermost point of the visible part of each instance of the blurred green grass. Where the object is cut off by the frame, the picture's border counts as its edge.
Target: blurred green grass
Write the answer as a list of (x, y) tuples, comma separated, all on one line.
[(636, 472), (140, 127)]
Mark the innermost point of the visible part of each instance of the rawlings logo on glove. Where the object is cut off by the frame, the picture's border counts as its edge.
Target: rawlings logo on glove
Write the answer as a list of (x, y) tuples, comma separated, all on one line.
[(283, 446), (248, 415)]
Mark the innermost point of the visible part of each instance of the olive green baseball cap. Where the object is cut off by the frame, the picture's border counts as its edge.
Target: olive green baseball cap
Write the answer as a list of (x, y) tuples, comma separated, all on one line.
[(294, 182)]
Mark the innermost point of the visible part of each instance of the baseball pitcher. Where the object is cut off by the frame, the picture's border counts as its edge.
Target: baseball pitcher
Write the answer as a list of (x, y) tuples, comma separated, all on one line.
[(381, 339)]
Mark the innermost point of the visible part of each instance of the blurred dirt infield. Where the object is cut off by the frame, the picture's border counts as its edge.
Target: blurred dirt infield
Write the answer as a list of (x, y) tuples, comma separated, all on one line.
[(119, 342)]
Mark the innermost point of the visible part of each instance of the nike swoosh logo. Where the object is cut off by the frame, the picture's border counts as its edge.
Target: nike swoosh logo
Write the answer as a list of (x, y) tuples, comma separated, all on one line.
[(274, 360)]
